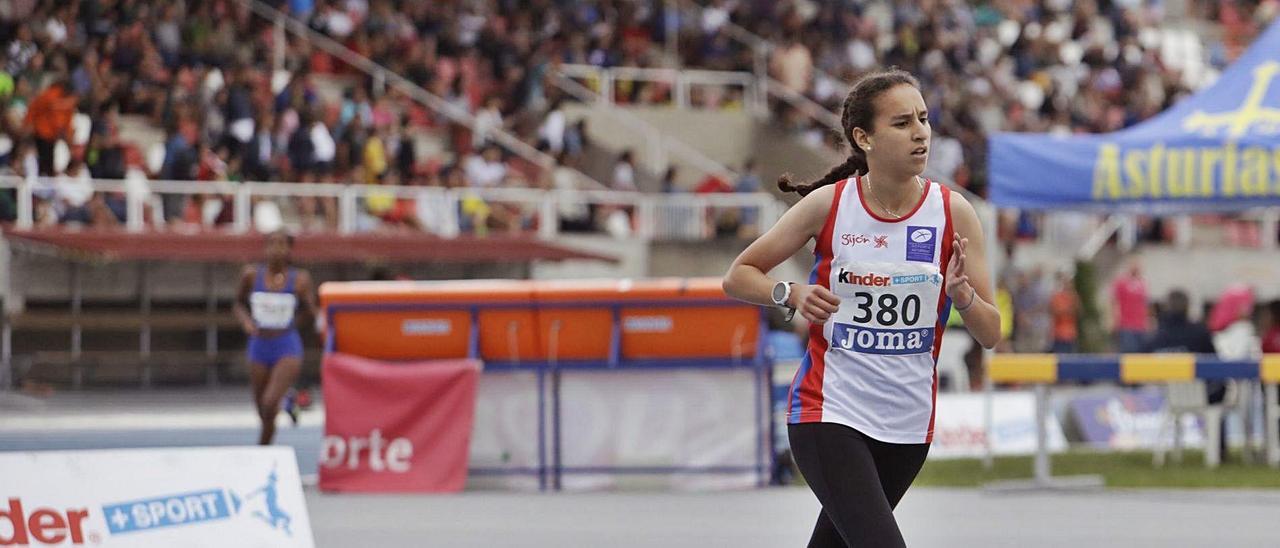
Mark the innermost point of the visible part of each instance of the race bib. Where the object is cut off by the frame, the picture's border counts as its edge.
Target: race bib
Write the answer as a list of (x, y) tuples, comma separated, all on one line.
[(272, 310), (885, 308)]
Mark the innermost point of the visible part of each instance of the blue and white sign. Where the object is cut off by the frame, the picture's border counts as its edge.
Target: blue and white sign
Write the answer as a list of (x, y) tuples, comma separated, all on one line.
[(167, 511), (154, 497), (1217, 150)]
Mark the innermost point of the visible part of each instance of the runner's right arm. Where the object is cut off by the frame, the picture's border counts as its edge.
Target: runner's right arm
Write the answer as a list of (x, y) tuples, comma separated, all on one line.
[(748, 278), (241, 305)]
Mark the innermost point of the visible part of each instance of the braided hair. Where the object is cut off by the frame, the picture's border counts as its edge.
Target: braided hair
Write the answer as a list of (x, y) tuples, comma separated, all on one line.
[(858, 111)]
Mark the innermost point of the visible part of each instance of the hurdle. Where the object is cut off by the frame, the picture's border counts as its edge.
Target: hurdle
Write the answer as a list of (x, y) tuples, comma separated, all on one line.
[(1045, 370)]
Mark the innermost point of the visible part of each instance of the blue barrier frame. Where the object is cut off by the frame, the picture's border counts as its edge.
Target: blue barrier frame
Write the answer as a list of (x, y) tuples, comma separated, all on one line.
[(552, 473)]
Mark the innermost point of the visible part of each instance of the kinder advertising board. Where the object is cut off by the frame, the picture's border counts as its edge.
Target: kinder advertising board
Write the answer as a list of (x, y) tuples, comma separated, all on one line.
[(236, 496), (960, 431), (396, 426)]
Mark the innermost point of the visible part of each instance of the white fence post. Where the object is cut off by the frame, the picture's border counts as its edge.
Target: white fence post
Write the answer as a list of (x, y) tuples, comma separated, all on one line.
[(134, 210), (347, 209), (548, 221), (243, 220), (681, 85), (26, 204), (1270, 225)]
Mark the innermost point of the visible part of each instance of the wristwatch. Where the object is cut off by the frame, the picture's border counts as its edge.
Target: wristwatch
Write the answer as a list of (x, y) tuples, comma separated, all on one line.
[(781, 293)]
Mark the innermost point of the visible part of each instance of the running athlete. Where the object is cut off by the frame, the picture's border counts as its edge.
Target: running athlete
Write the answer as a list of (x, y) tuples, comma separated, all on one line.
[(894, 253), (267, 306)]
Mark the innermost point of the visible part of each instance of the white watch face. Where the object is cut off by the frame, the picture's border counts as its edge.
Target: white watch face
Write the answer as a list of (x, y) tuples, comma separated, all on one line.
[(780, 293)]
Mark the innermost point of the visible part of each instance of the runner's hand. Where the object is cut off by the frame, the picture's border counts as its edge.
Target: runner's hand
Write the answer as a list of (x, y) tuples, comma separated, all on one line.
[(957, 279), (814, 302)]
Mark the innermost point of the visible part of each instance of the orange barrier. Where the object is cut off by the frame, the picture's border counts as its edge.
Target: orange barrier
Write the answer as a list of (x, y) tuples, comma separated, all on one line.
[(431, 320), (608, 321)]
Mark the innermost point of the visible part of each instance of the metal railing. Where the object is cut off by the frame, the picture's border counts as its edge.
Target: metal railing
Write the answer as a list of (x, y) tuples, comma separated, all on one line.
[(150, 205), (682, 81), (765, 85)]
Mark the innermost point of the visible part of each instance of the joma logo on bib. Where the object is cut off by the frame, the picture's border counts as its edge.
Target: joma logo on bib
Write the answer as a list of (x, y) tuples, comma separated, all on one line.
[(856, 338)]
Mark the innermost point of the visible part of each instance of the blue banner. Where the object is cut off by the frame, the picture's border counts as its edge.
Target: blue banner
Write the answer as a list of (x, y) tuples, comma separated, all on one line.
[(1216, 150)]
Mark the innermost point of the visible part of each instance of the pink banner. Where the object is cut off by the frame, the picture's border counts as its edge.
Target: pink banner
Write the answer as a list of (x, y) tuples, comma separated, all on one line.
[(396, 426)]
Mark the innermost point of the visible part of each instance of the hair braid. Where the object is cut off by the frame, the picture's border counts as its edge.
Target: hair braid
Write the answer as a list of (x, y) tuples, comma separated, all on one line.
[(858, 111)]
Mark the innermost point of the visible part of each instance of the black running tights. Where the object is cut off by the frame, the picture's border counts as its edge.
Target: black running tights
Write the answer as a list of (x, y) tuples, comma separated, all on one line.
[(858, 480)]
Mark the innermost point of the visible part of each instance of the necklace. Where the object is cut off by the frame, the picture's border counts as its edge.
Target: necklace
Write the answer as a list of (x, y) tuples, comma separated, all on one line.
[(867, 179)]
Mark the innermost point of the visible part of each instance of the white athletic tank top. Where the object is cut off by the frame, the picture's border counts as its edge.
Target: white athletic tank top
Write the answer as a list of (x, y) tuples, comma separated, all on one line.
[(872, 365)]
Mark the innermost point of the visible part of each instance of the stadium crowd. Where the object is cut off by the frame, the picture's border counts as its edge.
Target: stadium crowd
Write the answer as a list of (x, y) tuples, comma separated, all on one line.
[(203, 72)]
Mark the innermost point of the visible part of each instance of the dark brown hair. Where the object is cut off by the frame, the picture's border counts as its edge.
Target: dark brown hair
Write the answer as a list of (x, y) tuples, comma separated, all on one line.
[(858, 111)]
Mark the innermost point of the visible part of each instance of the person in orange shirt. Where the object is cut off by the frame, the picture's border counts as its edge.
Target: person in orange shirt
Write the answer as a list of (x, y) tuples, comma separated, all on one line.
[(1064, 307), (49, 119)]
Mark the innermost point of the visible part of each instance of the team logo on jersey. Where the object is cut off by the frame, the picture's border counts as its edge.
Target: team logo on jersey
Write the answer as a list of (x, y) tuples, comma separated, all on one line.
[(920, 243), (854, 240)]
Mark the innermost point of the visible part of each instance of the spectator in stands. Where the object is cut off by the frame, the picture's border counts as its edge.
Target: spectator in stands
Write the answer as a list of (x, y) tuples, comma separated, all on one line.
[(1130, 309), (668, 184), (1064, 306), (1176, 333), (49, 120), (487, 169), (106, 152), (22, 49), (9, 196), (403, 150), (323, 149), (552, 130), (259, 152), (1231, 322), (792, 64), (490, 118), (749, 179), (238, 109), (300, 147), (575, 214), (216, 165), (983, 68), (73, 191), (576, 139), (624, 172), (1271, 337), (1236, 338), (355, 109), (1033, 323), (1004, 303), (748, 182), (946, 161)]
